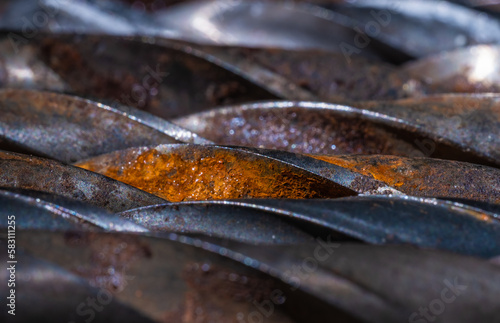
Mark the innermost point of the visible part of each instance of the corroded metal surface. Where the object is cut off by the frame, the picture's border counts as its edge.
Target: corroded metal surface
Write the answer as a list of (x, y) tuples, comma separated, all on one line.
[(183, 172), (302, 127), (193, 172), (427, 176), (164, 80), (26, 172), (410, 127), (313, 211)]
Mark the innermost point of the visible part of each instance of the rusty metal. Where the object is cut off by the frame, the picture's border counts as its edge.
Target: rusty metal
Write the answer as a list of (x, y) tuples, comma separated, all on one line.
[(163, 77), (366, 208), (302, 127), (69, 128), (39, 174), (427, 176), (410, 128), (227, 75), (180, 172), (192, 172), (165, 80)]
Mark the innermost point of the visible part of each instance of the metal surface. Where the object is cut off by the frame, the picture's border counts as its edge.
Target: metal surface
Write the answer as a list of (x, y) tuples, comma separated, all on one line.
[(427, 176), (423, 222), (38, 210), (402, 278), (69, 128), (281, 24), (166, 281), (33, 173), (411, 128), (219, 220), (368, 283), (330, 206), (315, 75), (165, 80), (422, 27), (471, 69), (460, 127), (302, 127), (270, 24), (54, 293), (193, 172)]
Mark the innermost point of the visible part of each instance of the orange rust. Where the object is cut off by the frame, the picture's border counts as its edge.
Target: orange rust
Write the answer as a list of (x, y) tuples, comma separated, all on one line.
[(424, 176), (219, 176), (388, 170)]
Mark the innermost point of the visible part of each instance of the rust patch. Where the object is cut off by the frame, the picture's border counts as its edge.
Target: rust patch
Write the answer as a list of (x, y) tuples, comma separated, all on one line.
[(389, 170), (426, 176), (219, 176)]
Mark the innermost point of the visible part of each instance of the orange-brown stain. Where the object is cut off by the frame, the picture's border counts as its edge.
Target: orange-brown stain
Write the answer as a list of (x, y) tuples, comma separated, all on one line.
[(387, 170), (219, 176)]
